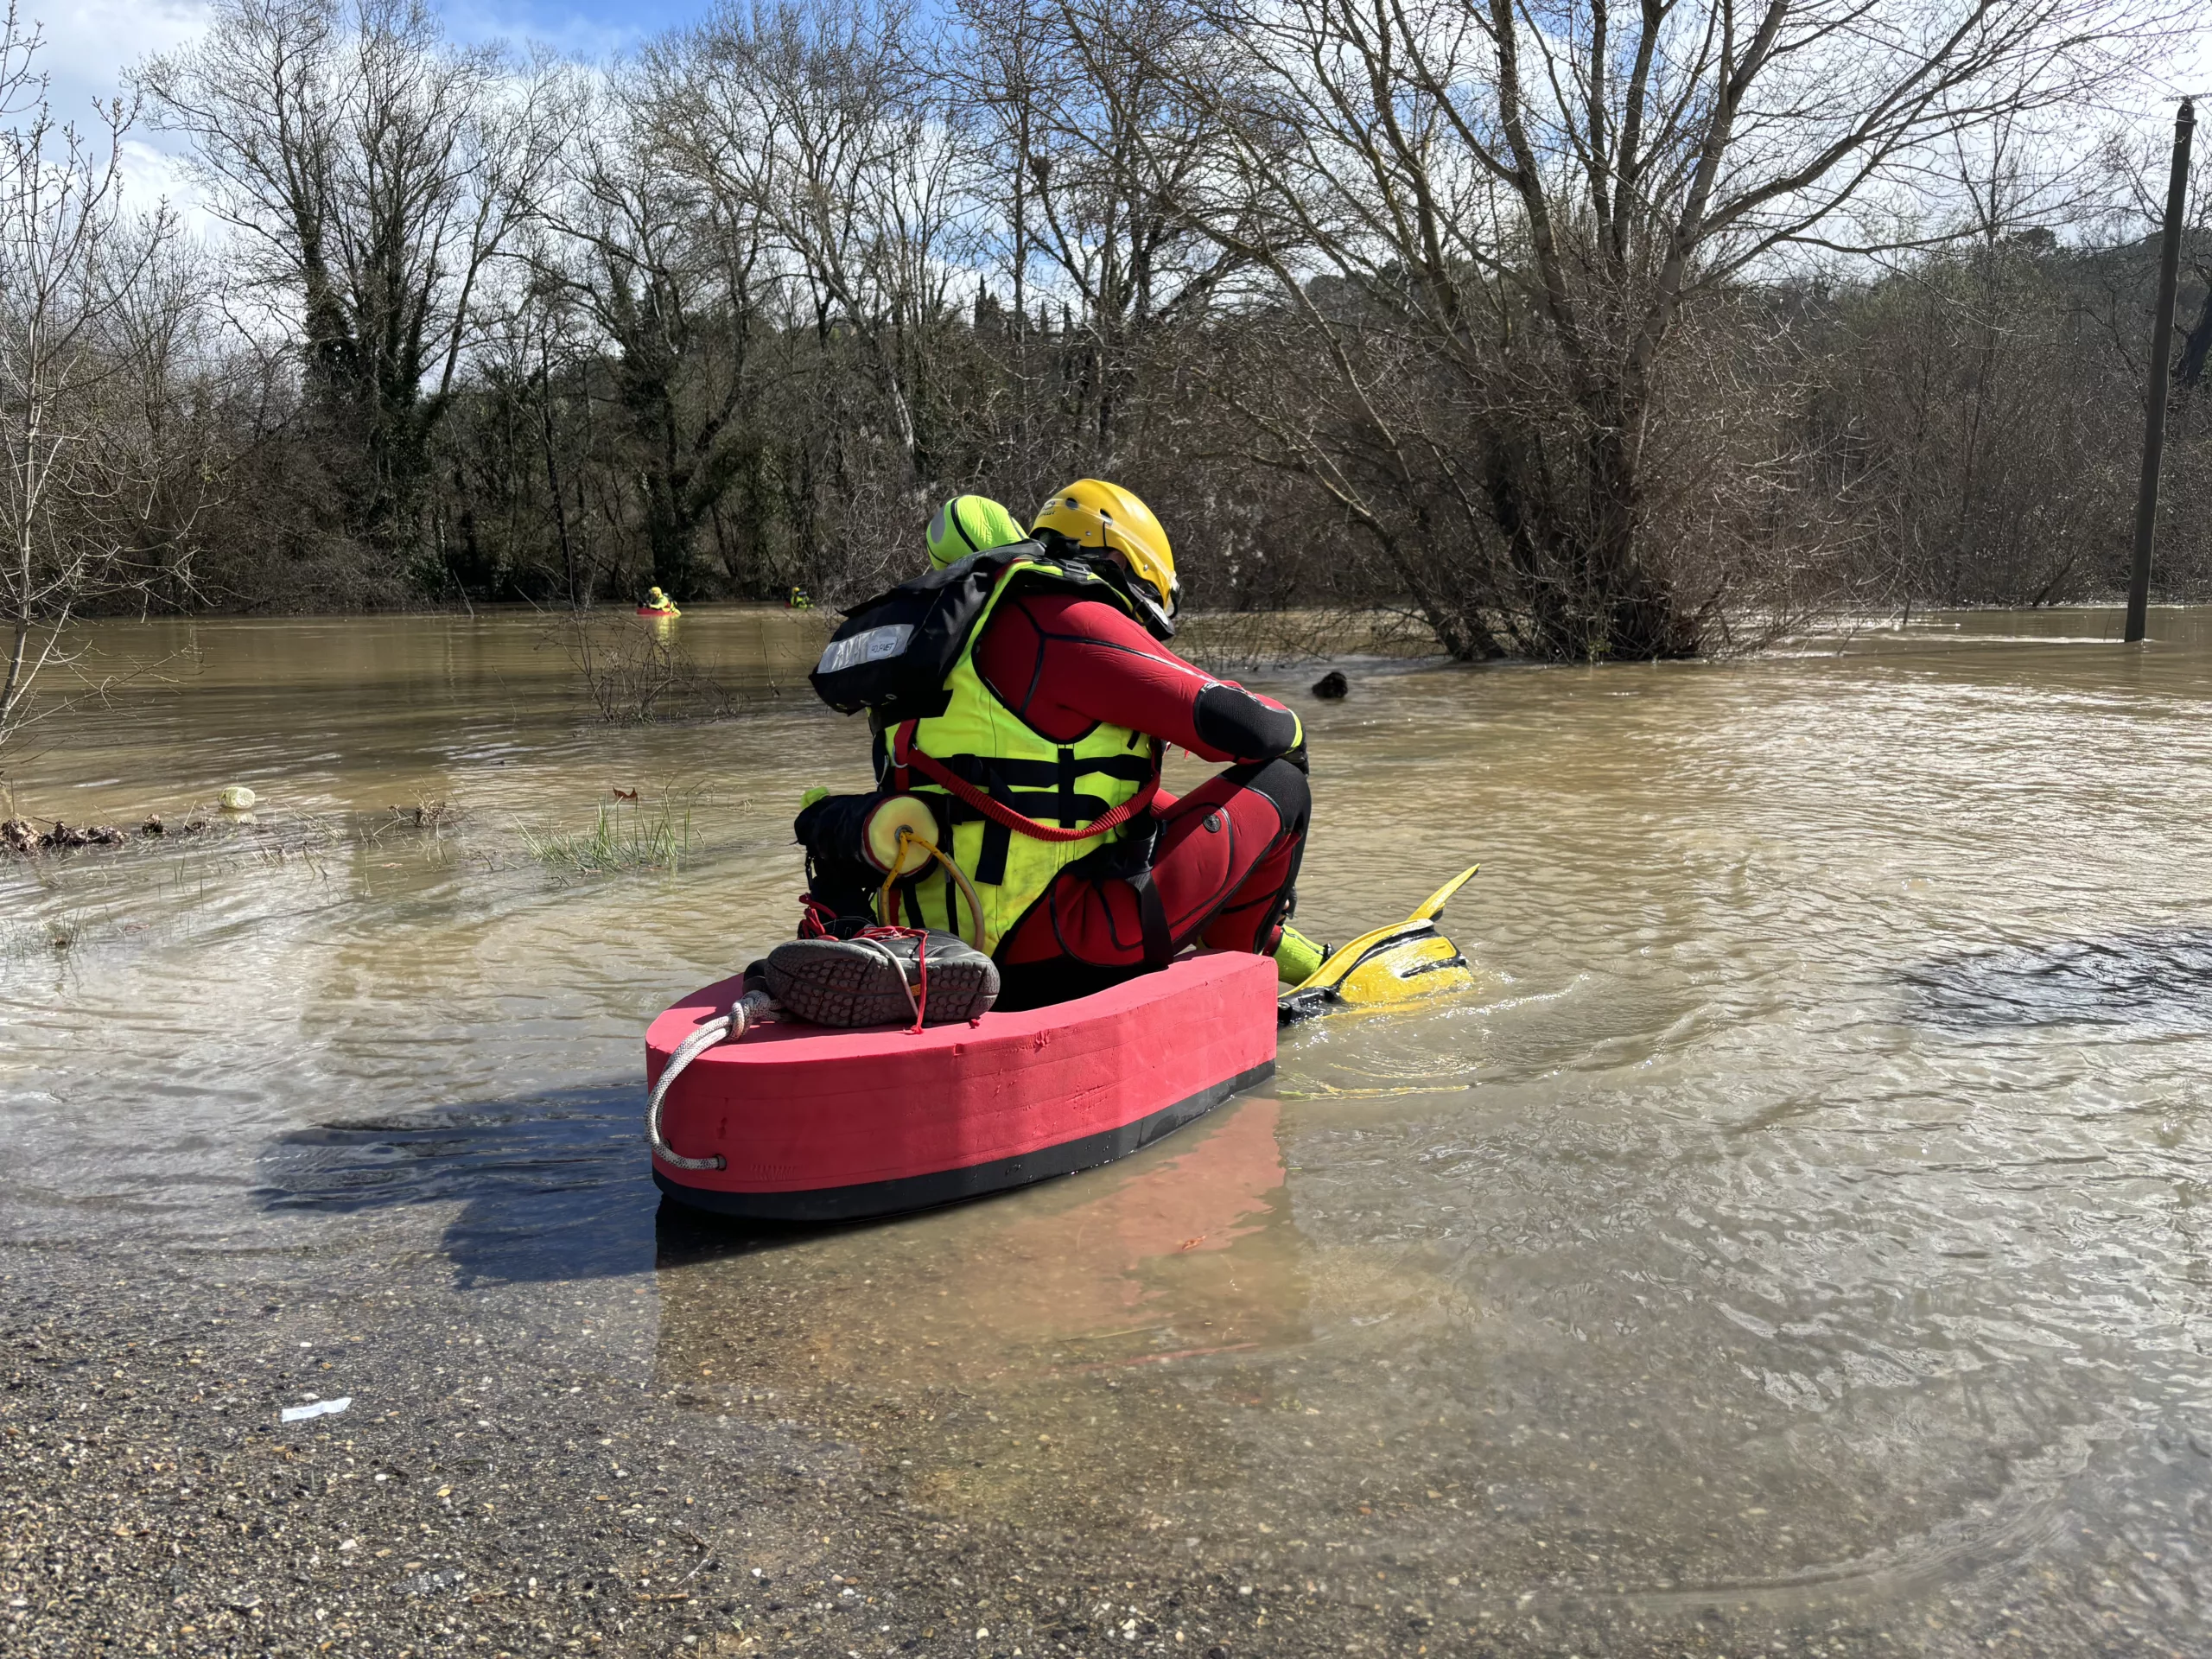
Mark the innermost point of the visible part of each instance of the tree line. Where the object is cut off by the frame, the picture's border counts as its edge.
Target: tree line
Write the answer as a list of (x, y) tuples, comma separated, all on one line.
[(1572, 328)]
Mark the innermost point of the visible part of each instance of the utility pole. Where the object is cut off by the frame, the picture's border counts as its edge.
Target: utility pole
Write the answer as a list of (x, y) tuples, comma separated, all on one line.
[(2162, 346)]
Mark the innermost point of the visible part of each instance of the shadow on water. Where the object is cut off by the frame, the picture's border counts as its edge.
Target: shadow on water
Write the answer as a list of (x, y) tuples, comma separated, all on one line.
[(684, 1237), (556, 1186), (2158, 978), (551, 1186)]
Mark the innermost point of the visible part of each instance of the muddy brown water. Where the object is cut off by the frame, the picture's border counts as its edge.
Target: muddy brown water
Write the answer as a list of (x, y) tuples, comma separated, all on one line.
[(1805, 1221)]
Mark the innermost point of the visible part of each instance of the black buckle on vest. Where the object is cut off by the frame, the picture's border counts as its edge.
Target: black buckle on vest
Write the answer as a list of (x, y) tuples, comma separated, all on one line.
[(1068, 819)]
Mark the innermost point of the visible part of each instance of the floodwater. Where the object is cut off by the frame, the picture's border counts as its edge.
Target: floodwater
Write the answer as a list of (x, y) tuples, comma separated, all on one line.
[(1804, 1229)]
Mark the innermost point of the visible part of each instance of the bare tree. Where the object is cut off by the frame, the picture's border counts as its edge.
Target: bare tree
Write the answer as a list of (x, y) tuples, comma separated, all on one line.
[(90, 304), (1520, 202), (1090, 144), (1567, 327), (677, 278), (816, 119), (371, 173)]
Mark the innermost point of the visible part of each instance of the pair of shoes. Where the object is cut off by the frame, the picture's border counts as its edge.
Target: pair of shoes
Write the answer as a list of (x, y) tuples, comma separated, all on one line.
[(883, 977)]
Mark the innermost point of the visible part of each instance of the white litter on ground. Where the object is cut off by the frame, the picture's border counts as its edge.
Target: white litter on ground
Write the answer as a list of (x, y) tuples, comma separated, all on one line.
[(320, 1409)]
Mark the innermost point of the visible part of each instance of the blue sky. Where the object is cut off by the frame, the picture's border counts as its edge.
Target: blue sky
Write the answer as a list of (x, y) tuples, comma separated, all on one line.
[(587, 30), (90, 42)]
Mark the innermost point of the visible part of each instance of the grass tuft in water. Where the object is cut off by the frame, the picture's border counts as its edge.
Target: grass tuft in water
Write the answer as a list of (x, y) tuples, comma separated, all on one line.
[(639, 837), (55, 937)]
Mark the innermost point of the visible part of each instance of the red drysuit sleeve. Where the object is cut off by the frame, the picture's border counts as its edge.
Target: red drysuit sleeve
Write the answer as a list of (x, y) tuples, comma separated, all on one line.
[(1063, 663)]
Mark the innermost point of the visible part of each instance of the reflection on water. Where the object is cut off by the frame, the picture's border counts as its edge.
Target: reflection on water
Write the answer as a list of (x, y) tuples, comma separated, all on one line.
[(1179, 1253), (1806, 1214)]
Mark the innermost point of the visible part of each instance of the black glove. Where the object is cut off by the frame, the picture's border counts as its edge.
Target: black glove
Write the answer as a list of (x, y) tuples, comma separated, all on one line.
[(838, 878), (830, 829)]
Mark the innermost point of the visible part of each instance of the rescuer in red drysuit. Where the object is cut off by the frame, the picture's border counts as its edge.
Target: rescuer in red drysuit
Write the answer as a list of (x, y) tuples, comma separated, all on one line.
[(1068, 659), (1226, 860)]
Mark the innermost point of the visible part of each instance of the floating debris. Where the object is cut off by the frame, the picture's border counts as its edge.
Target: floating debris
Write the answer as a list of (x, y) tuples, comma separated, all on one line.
[(236, 798), (318, 1408), (20, 838), (17, 836)]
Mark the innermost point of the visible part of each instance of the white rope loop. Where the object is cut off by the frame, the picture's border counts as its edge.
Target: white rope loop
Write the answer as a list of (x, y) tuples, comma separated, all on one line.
[(723, 1028)]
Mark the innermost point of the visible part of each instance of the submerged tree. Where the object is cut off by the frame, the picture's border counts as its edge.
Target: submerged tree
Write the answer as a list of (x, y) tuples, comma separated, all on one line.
[(372, 172), (92, 307), (1517, 207)]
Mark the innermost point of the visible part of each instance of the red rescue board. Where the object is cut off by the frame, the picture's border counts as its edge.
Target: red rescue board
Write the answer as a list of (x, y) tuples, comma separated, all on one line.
[(822, 1125)]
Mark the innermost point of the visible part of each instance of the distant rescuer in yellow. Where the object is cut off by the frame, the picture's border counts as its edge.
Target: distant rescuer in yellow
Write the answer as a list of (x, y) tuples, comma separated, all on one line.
[(656, 600), (1023, 691)]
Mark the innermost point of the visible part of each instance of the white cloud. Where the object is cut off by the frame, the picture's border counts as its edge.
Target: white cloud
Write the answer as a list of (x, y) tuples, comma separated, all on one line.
[(90, 47), (86, 51), (90, 44)]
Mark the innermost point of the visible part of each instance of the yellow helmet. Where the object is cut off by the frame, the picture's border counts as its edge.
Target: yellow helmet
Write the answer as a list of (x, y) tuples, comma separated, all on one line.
[(1091, 512)]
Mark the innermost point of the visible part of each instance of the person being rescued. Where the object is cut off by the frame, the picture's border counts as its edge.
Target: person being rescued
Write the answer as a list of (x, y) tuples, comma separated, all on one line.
[(1021, 695)]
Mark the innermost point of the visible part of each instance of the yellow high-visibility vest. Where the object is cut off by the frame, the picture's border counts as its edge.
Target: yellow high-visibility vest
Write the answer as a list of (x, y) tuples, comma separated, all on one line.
[(1065, 785)]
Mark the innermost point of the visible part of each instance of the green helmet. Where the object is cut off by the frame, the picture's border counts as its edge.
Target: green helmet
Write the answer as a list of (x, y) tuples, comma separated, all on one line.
[(970, 524)]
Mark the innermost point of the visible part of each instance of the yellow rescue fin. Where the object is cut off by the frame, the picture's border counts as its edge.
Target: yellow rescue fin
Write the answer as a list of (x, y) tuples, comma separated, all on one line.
[(1406, 961)]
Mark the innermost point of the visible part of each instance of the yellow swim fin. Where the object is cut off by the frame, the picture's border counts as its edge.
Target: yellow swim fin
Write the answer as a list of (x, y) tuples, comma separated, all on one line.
[(1406, 961), (1433, 907)]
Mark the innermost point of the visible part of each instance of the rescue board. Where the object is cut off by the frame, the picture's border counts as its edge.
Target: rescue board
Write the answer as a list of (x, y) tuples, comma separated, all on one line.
[(813, 1124)]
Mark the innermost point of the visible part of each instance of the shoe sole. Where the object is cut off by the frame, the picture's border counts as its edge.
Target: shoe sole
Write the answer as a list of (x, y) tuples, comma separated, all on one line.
[(848, 986)]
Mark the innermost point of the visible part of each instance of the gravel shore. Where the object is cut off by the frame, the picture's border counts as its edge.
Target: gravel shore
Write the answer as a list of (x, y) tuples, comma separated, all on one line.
[(528, 1469)]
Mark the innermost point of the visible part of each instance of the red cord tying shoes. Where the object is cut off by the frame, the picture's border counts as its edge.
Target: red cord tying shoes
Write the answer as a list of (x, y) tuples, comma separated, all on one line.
[(881, 977)]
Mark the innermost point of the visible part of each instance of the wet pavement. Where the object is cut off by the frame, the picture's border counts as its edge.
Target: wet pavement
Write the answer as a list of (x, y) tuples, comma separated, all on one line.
[(1793, 1246)]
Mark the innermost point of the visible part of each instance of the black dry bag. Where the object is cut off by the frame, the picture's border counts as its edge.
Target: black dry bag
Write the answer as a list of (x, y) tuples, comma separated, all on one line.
[(892, 654)]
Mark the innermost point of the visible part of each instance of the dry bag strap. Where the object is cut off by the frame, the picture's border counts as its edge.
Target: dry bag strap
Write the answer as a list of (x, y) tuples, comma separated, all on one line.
[(904, 754)]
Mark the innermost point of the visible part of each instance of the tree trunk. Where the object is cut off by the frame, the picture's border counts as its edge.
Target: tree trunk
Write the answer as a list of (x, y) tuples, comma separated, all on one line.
[(2196, 344)]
